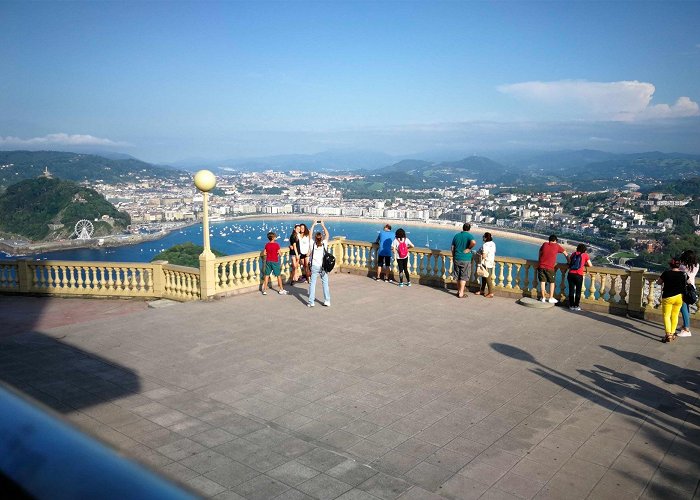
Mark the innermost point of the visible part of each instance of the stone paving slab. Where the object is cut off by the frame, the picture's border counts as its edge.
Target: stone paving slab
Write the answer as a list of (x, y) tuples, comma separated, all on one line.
[(390, 393)]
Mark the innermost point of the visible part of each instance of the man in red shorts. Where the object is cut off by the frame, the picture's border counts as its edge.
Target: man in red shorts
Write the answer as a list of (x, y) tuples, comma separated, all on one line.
[(546, 267)]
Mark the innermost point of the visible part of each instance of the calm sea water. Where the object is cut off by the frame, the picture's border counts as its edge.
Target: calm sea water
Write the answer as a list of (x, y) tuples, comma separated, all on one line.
[(232, 237)]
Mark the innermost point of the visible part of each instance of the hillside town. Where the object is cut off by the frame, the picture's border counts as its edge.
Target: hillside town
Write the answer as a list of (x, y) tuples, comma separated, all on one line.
[(590, 215)]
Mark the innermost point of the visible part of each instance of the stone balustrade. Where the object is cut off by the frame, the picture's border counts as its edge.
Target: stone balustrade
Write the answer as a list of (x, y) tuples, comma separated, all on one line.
[(618, 291)]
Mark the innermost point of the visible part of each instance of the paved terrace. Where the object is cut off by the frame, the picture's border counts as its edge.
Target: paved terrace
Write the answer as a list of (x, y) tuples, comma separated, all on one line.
[(392, 392)]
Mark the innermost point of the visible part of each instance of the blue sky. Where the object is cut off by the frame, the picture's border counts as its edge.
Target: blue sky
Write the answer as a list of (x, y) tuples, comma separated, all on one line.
[(165, 81)]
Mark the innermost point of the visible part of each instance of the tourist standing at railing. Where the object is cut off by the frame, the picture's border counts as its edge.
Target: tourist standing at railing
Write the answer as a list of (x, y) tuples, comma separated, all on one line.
[(578, 261), (689, 265), (294, 253), (304, 247), (546, 267), (271, 264), (673, 281), (488, 260), (400, 246), (318, 249), (384, 240), (462, 245)]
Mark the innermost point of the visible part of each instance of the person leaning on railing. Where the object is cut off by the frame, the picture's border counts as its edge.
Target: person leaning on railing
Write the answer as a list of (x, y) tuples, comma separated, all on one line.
[(673, 281), (689, 265), (578, 262)]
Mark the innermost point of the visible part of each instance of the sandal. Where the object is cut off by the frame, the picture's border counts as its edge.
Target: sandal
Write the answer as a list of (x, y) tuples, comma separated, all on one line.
[(489, 296), (669, 338)]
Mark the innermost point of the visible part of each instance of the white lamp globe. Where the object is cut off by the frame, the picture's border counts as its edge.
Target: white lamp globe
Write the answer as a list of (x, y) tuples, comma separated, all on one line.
[(205, 180)]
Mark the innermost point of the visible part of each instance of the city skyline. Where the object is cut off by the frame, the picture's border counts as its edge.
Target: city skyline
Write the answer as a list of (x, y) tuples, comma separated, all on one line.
[(167, 81)]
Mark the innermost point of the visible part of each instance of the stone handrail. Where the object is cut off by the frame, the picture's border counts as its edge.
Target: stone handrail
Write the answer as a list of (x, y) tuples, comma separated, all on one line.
[(106, 279), (619, 291)]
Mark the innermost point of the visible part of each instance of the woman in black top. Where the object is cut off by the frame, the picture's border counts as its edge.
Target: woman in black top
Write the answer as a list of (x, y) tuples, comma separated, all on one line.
[(294, 253), (673, 282)]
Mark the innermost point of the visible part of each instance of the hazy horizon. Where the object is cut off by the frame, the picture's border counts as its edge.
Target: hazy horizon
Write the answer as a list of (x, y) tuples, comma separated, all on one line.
[(168, 81)]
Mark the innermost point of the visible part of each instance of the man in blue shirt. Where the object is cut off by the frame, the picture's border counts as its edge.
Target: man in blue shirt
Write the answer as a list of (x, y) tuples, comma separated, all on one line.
[(462, 245), (384, 240)]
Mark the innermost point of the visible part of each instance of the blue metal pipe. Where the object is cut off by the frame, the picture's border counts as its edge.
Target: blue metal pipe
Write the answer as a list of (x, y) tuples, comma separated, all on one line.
[(47, 459)]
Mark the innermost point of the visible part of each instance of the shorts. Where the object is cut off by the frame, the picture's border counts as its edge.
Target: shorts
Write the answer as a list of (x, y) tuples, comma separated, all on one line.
[(545, 275), (460, 269), (383, 260), (292, 253), (302, 255), (272, 268)]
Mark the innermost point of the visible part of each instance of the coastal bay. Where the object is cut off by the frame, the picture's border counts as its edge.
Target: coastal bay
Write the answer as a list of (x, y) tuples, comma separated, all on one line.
[(246, 234)]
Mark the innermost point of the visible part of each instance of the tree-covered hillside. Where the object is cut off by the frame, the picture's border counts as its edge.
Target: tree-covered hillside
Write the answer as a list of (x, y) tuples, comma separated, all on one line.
[(19, 165), (28, 207), (185, 254)]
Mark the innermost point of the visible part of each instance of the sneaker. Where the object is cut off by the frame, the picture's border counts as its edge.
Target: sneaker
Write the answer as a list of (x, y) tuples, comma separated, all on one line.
[(552, 300), (390, 280), (386, 280), (684, 333), (408, 284), (310, 304), (376, 279), (577, 308), (400, 284), (572, 308), (543, 299), (327, 303), (264, 292), (283, 292)]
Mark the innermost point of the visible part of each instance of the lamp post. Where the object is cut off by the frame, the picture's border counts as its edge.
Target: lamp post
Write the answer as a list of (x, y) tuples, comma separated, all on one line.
[(205, 182)]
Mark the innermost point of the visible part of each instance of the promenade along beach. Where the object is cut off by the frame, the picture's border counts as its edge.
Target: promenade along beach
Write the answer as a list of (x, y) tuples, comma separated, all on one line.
[(247, 234)]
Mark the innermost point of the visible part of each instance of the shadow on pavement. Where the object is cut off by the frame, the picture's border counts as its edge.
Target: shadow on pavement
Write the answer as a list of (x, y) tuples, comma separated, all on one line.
[(61, 376), (669, 422)]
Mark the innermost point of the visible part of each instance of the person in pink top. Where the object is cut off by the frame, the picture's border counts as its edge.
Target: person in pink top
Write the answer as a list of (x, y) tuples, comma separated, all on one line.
[(546, 267), (578, 262)]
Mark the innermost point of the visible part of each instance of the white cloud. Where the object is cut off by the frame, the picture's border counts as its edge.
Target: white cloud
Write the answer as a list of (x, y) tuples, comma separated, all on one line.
[(60, 139), (616, 101)]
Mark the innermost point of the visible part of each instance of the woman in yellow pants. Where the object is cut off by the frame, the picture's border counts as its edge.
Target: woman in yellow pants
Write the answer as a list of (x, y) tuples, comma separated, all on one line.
[(673, 281)]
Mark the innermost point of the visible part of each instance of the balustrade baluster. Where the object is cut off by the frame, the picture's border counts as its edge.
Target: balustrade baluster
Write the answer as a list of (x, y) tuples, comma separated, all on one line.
[(78, 271), (623, 291), (517, 278), (37, 276), (593, 286), (509, 276), (108, 272), (89, 277), (603, 289)]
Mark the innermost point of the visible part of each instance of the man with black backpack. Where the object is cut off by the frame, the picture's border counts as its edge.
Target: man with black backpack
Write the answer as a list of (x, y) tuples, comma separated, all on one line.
[(320, 263)]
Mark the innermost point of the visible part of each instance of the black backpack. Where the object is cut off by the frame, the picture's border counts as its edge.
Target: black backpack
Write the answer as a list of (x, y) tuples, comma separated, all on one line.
[(328, 260), (575, 261)]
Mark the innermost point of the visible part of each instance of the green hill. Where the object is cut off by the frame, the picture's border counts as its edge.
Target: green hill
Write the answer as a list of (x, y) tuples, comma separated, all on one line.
[(185, 254), (19, 165), (28, 207)]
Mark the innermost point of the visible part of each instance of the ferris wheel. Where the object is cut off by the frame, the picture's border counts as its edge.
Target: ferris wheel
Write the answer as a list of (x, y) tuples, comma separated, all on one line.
[(84, 229)]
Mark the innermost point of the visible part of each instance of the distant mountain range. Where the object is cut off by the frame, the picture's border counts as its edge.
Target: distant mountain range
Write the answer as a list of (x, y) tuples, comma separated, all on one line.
[(561, 167), (318, 162), (18, 165), (577, 168)]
